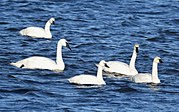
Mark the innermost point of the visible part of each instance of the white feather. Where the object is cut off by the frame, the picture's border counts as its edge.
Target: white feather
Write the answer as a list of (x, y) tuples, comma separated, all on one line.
[(90, 79), (147, 77), (37, 62), (37, 32), (123, 68)]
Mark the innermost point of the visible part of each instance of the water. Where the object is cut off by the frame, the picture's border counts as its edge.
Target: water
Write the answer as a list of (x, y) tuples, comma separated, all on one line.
[(96, 30)]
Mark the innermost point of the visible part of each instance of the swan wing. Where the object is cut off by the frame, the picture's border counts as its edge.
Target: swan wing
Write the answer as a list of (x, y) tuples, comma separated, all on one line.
[(36, 62), (118, 67), (142, 78), (35, 32), (86, 79)]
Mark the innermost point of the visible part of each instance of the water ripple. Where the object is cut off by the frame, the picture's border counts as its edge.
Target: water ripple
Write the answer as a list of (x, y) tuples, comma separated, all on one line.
[(97, 30)]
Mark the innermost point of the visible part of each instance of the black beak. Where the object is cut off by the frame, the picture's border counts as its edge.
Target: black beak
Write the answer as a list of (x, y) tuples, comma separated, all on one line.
[(53, 22), (137, 50), (106, 65), (67, 45), (160, 61)]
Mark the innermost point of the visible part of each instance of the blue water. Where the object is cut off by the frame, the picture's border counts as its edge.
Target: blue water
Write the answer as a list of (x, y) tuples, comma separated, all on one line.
[(96, 30)]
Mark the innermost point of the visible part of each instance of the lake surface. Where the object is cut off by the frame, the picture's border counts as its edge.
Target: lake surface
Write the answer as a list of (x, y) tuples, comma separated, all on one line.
[(97, 30)]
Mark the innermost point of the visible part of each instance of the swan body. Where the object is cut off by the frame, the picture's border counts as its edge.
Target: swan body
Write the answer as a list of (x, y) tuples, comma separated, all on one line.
[(90, 79), (123, 68), (87, 80), (37, 32), (147, 77), (38, 62)]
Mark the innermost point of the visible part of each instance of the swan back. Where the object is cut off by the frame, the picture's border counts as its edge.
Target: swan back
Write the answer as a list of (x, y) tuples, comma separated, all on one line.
[(123, 68), (90, 79), (36, 62), (117, 67), (86, 80)]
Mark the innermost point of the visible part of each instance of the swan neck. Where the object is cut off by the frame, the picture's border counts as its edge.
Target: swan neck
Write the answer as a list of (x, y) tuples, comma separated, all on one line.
[(155, 71), (133, 59), (100, 73), (59, 59), (47, 28)]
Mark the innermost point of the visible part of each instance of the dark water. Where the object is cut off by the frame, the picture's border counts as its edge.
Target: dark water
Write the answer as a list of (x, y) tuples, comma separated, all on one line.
[(101, 29)]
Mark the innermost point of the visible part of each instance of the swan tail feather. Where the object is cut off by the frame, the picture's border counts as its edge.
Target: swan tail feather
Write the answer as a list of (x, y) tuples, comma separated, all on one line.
[(23, 32), (13, 64), (17, 65)]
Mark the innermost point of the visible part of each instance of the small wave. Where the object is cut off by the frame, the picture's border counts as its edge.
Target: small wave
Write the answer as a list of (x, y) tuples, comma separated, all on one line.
[(170, 92), (85, 45), (3, 23), (128, 23), (170, 32), (12, 29), (127, 89), (17, 91), (176, 21), (156, 39), (31, 81), (93, 28), (152, 12), (87, 86)]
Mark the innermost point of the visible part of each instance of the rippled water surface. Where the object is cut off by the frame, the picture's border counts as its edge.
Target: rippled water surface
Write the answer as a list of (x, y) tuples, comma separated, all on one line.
[(96, 30)]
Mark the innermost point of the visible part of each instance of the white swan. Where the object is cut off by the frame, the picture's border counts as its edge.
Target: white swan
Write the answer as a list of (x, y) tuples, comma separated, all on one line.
[(37, 32), (147, 77), (123, 68), (37, 62), (90, 79)]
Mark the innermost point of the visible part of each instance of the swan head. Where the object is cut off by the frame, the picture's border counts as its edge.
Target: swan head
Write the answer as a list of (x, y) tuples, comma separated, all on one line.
[(102, 63), (158, 60), (136, 48), (64, 42), (52, 20)]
